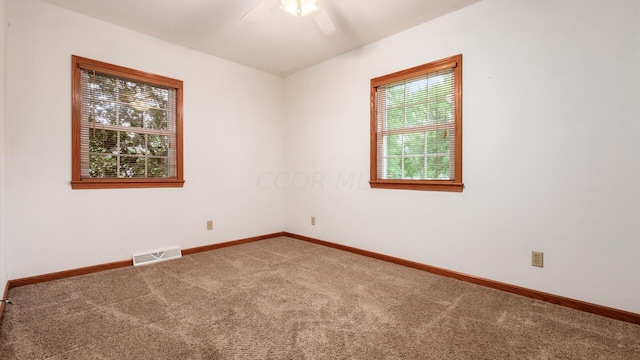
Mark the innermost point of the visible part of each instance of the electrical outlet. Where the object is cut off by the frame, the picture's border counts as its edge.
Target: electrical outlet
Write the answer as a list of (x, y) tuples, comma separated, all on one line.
[(537, 258), (313, 220), (209, 224)]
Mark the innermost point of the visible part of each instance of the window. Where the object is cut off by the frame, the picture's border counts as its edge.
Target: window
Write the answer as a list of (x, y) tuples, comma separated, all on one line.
[(416, 128), (126, 127)]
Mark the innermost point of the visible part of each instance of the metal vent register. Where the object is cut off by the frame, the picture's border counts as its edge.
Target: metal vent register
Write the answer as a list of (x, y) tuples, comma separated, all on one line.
[(144, 258)]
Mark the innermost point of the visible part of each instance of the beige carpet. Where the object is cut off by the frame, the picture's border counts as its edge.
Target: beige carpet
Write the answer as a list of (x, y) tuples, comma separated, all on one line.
[(287, 299)]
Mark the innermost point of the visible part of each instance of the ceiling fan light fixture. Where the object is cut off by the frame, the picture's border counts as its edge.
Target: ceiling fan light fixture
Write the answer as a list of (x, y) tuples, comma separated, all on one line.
[(299, 7)]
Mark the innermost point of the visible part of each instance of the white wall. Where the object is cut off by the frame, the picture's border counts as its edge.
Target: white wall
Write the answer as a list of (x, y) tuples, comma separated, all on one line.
[(233, 132), (551, 125), (3, 172)]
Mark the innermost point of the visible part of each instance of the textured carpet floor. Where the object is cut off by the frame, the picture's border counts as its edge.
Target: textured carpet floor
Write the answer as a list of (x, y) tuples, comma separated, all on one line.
[(287, 299)]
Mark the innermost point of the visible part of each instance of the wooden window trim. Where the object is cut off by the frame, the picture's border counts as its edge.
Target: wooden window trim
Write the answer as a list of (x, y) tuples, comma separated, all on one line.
[(454, 185), (77, 181)]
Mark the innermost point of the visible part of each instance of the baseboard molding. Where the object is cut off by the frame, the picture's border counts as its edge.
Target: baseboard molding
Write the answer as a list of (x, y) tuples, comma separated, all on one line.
[(534, 294), (230, 243), (124, 263), (68, 273)]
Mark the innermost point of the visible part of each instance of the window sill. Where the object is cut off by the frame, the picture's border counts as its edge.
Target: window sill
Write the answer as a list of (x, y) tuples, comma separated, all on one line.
[(425, 185), (125, 183)]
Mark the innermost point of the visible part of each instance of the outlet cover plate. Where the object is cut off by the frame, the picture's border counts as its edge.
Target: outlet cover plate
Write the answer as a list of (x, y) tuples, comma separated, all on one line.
[(537, 258)]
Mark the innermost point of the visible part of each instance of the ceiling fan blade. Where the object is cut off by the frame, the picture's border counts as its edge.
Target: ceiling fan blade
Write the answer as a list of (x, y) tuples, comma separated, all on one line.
[(260, 8), (324, 22)]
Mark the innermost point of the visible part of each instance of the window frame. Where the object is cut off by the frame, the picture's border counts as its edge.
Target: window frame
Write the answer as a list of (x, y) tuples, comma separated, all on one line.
[(450, 185), (79, 182)]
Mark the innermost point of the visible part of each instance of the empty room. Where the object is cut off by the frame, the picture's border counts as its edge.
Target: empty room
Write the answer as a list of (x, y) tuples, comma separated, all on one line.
[(330, 179)]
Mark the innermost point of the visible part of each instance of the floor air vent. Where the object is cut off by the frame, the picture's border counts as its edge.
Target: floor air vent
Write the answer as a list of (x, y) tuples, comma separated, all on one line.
[(156, 256)]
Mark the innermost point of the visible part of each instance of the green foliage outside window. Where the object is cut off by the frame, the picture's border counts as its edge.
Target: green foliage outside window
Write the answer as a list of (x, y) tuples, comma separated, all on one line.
[(421, 112), (130, 143)]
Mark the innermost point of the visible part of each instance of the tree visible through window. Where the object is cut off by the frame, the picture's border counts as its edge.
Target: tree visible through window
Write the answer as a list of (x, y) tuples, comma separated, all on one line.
[(127, 127), (416, 125)]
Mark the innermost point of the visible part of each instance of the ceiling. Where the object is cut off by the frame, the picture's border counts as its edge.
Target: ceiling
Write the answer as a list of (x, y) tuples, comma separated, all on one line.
[(275, 42)]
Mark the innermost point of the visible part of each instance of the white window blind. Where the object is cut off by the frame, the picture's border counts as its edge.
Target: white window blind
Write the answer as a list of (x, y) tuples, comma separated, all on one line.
[(127, 128), (416, 126)]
